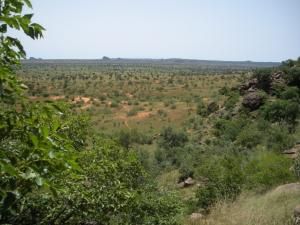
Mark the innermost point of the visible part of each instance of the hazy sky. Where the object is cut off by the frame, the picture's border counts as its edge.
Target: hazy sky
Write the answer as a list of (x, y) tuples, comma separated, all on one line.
[(259, 30)]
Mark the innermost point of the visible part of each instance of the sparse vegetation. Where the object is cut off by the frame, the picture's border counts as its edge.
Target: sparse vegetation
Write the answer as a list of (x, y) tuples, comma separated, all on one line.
[(144, 142)]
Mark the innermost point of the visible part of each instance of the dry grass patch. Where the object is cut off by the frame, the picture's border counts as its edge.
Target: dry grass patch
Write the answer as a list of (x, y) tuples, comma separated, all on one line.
[(273, 208)]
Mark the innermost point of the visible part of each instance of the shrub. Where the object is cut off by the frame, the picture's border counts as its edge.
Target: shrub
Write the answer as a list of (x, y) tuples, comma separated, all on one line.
[(267, 169), (291, 93), (249, 137), (296, 167), (263, 77), (225, 180), (230, 129), (171, 138), (293, 76), (201, 108), (278, 138), (282, 111), (114, 104), (232, 100)]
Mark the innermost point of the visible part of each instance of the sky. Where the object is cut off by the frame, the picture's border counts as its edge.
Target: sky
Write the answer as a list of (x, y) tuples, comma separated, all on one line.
[(237, 30)]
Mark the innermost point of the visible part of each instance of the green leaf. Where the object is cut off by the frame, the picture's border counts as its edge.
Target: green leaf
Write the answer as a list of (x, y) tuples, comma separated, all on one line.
[(51, 155), (39, 181), (34, 140), (28, 3), (45, 131), (8, 168)]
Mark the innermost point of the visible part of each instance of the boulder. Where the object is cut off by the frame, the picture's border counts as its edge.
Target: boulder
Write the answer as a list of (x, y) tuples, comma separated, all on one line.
[(287, 188), (297, 215), (189, 182), (181, 185), (293, 153), (297, 211), (186, 183), (253, 100)]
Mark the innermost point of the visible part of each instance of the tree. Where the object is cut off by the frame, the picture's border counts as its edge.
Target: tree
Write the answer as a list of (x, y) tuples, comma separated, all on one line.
[(11, 49)]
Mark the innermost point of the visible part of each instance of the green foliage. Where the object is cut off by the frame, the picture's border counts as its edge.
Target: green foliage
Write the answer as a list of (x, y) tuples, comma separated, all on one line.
[(171, 138), (37, 143), (281, 111), (231, 101), (155, 207), (293, 76), (249, 137), (290, 93), (11, 49), (296, 167), (225, 180), (278, 138), (201, 108), (267, 169), (129, 137), (230, 129), (111, 188), (228, 174), (263, 77)]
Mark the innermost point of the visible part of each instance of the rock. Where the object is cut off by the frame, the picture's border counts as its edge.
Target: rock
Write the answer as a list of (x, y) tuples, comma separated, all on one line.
[(251, 85), (287, 188), (196, 216), (253, 100), (297, 215), (293, 153), (180, 185), (186, 183), (297, 211), (189, 182)]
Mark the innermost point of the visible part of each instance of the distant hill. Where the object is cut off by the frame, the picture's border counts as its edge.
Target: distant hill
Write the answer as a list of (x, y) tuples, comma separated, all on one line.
[(213, 65)]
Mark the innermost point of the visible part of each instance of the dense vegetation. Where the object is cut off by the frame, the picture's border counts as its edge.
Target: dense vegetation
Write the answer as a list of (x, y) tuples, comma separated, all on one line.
[(115, 141)]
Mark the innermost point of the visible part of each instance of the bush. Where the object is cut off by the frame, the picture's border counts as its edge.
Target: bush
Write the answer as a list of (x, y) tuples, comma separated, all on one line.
[(232, 100), (225, 180), (249, 137), (129, 137), (171, 138), (291, 93), (282, 111), (296, 167), (201, 108), (278, 138), (263, 77), (293, 76), (267, 169), (230, 129)]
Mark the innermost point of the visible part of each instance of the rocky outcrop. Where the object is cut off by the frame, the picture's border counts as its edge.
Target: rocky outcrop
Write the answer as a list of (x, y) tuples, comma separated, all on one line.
[(275, 81), (253, 100), (250, 86)]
